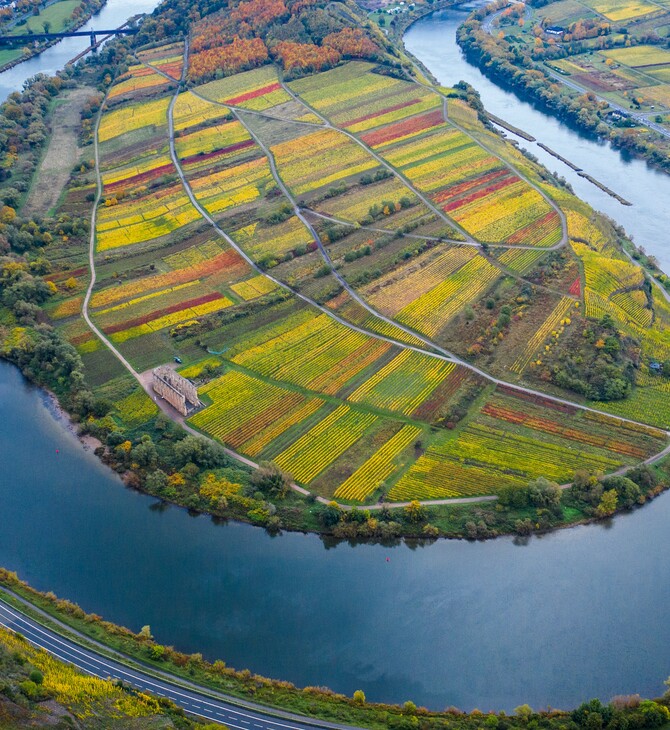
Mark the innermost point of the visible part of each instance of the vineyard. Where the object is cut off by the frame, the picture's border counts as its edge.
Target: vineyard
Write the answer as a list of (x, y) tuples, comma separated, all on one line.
[(406, 125), (432, 311), (294, 358)]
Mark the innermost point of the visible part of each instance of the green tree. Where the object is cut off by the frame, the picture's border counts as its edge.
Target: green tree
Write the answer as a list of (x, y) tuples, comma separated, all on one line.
[(330, 515), (157, 481), (543, 493), (628, 492), (523, 712), (415, 512), (608, 503), (587, 487), (510, 496), (145, 453), (271, 480)]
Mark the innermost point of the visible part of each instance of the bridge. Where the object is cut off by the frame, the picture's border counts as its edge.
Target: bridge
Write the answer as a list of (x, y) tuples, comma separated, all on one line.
[(8, 40)]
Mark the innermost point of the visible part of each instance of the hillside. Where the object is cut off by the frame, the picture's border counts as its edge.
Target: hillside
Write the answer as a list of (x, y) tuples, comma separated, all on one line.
[(371, 289)]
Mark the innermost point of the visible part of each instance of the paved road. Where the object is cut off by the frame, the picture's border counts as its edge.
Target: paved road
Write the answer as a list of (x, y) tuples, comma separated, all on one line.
[(640, 118), (202, 702)]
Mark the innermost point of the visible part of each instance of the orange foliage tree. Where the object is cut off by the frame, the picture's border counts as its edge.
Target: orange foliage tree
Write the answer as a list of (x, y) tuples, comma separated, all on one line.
[(258, 13), (352, 43), (306, 56), (240, 55)]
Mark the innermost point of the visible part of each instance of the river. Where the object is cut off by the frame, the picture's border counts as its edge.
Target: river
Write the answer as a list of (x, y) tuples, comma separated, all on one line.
[(433, 41), (114, 14), (491, 625), (548, 621)]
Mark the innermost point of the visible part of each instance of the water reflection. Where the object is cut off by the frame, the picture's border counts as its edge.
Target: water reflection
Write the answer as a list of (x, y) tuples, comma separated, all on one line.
[(545, 620)]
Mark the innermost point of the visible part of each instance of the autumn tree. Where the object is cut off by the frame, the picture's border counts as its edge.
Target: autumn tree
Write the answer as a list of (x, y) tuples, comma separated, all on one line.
[(608, 503)]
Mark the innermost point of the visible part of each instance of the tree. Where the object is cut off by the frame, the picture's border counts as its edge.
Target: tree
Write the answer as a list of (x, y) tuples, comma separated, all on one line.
[(523, 712), (330, 515), (156, 481), (359, 697), (415, 512), (510, 496), (145, 453), (608, 504), (200, 451), (543, 493), (587, 487), (643, 476), (628, 492), (271, 480)]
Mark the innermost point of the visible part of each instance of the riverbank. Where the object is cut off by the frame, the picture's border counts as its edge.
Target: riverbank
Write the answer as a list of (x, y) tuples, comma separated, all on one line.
[(494, 57), (134, 555), (382, 618), (319, 703), (125, 448)]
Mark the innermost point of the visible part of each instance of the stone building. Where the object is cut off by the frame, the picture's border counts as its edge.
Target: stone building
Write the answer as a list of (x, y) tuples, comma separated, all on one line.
[(177, 391)]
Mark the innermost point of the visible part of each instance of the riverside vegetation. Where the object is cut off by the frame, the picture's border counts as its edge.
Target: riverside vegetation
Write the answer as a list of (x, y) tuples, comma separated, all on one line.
[(426, 315), (613, 57), (38, 690), (628, 712), (23, 18)]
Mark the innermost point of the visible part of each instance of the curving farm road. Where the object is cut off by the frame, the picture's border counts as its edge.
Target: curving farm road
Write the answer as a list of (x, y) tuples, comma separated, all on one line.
[(194, 699)]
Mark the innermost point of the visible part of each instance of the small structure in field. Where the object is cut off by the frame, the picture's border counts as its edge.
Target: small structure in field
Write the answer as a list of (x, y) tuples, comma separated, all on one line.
[(555, 30), (177, 391)]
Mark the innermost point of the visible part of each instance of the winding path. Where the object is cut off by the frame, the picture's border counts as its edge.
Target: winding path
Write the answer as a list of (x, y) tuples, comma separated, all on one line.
[(396, 173), (326, 256)]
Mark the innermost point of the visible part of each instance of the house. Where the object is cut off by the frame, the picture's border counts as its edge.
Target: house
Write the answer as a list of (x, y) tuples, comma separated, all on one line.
[(176, 390), (554, 30)]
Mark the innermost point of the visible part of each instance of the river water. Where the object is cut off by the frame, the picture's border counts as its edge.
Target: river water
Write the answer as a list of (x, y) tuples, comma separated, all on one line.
[(114, 14), (433, 41), (551, 621), (490, 625)]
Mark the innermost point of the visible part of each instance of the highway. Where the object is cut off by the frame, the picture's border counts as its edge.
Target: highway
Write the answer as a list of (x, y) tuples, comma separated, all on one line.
[(204, 703)]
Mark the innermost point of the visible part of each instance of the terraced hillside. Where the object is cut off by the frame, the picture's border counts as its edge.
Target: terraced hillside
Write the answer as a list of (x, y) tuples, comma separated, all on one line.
[(370, 288)]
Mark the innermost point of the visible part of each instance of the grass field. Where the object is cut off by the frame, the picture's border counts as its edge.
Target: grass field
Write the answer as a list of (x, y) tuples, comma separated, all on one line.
[(58, 16)]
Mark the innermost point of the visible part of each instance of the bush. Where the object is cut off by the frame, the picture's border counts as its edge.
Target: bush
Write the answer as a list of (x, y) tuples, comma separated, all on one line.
[(627, 491), (36, 676), (270, 480)]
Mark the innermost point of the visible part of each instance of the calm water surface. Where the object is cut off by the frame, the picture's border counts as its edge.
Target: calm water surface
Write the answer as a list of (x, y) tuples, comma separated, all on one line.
[(576, 614), (114, 14), (433, 41), (491, 625)]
